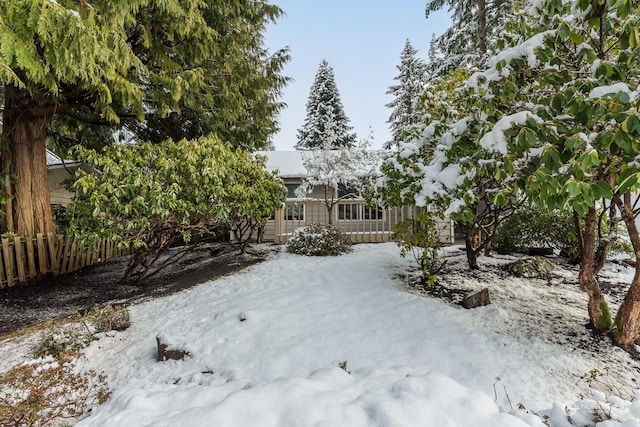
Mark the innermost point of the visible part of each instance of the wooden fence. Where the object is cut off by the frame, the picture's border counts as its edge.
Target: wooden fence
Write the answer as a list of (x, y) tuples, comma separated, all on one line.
[(362, 223), (23, 259)]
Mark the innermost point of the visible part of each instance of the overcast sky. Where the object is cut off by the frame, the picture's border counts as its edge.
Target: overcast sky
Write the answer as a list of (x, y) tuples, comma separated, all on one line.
[(362, 41)]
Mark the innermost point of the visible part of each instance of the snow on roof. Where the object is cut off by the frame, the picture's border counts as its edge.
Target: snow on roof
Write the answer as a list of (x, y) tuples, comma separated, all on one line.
[(288, 163), (54, 160)]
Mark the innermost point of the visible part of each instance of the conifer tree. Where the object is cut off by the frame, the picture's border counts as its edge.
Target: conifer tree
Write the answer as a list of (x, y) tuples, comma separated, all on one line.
[(472, 35), (411, 81), (324, 106), (101, 62)]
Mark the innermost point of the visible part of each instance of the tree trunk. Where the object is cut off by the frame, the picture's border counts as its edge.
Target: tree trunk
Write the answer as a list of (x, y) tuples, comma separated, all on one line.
[(24, 157), (472, 254), (482, 29), (628, 318), (599, 315)]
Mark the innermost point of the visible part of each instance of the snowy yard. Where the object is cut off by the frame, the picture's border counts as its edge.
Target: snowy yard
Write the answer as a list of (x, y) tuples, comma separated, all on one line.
[(410, 360)]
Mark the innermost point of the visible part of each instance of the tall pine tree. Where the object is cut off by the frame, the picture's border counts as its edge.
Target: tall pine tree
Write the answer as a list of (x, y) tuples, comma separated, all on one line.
[(476, 24), (411, 82), (324, 106)]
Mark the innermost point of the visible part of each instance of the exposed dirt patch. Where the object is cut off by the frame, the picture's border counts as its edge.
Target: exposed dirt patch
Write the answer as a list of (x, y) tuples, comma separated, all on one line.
[(55, 297)]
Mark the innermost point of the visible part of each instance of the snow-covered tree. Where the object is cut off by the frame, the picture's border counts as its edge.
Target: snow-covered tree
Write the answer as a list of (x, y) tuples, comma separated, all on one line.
[(324, 104), (553, 116), (473, 33), (406, 113), (353, 168)]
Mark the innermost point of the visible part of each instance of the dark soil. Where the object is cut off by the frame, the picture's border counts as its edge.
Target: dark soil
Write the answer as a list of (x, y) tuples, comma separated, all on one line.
[(55, 297)]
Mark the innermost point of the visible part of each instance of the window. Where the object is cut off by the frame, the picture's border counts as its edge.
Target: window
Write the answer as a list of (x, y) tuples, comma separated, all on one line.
[(291, 190), (355, 211), (345, 192), (294, 212), (373, 212), (348, 211)]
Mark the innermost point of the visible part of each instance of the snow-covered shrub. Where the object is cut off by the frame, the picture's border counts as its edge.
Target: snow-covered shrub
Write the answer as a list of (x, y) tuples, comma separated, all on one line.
[(318, 240), (110, 318), (535, 267), (58, 339), (46, 391)]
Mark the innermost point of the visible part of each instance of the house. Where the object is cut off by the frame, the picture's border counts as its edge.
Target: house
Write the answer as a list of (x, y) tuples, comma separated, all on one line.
[(59, 171), (354, 216)]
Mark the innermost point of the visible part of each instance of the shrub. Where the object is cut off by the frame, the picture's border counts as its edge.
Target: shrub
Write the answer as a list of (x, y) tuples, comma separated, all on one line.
[(319, 240), (532, 227), (419, 236), (45, 391), (58, 339), (154, 198), (109, 318)]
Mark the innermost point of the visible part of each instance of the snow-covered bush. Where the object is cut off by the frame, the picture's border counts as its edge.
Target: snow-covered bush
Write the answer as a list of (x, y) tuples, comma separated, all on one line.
[(319, 240), (58, 339), (110, 318)]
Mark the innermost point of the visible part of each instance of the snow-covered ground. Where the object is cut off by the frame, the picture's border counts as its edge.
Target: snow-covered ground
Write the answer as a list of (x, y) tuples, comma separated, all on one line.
[(340, 341)]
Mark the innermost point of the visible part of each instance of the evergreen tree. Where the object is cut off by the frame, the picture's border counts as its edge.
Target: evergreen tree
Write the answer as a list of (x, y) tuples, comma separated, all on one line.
[(553, 116), (96, 63), (407, 92), (324, 106), (476, 25), (240, 101)]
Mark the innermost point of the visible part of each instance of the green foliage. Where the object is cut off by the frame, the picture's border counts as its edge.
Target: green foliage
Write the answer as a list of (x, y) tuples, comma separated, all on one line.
[(242, 81), (418, 236), (56, 340), (109, 318), (343, 365), (319, 240), (253, 197), (531, 267), (532, 227), (603, 323), (151, 197), (622, 244), (45, 392), (203, 63), (62, 54), (60, 218)]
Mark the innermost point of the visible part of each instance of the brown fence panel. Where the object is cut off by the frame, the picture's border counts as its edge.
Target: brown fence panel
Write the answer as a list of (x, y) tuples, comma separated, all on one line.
[(8, 256), (23, 258), (20, 259)]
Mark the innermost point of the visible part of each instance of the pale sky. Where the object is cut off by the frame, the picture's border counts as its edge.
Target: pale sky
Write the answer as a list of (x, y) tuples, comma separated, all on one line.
[(362, 41)]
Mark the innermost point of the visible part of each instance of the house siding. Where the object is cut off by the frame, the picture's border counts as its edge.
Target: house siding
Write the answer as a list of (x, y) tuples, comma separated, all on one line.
[(58, 194)]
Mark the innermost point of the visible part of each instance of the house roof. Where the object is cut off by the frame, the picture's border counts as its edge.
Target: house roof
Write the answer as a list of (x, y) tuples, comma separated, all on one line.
[(288, 163), (54, 161)]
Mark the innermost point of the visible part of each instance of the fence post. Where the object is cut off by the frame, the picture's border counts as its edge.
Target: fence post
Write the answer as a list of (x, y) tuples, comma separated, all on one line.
[(278, 220), (3, 273), (17, 244), (51, 242), (31, 257), (7, 253)]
